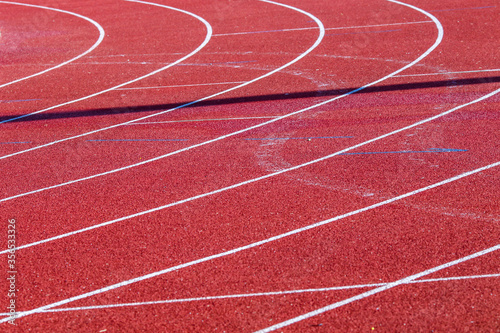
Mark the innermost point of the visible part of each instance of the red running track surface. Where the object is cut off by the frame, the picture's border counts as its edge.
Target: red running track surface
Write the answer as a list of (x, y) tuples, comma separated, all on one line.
[(241, 166)]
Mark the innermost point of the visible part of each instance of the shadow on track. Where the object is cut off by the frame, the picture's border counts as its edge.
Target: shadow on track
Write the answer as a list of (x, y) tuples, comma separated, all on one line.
[(250, 99)]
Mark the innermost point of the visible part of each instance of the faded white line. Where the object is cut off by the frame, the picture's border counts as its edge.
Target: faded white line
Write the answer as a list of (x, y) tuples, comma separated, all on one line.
[(311, 28), (273, 239), (205, 42), (264, 294), (184, 85), (448, 73), (99, 40), (372, 292), (318, 41), (201, 119)]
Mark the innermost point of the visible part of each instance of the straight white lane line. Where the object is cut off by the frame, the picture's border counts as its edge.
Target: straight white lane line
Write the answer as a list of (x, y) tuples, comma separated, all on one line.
[(372, 292), (327, 29), (264, 294), (201, 46), (99, 40), (276, 238), (318, 41)]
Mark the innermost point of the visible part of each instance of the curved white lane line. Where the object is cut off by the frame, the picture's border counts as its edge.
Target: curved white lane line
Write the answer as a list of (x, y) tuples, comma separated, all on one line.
[(317, 42), (250, 181), (369, 293), (438, 40), (272, 239), (300, 230), (202, 45), (434, 46), (97, 25)]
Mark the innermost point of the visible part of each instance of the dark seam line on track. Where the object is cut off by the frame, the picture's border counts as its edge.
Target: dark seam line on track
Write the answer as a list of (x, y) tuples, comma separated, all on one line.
[(250, 99)]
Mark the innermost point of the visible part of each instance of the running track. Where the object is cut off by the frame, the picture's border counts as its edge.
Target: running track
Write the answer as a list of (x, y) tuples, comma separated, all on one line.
[(242, 166)]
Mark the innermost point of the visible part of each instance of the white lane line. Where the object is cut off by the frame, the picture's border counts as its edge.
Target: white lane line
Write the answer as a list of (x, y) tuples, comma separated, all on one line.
[(184, 85), (448, 73), (264, 294), (457, 278), (99, 40), (318, 41), (244, 182), (276, 238), (309, 28), (205, 42), (438, 40), (201, 119), (372, 292)]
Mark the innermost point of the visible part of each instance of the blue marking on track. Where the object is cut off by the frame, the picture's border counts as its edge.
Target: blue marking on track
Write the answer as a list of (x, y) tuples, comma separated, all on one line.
[(431, 150), (19, 100), (137, 140), (14, 143), (305, 138)]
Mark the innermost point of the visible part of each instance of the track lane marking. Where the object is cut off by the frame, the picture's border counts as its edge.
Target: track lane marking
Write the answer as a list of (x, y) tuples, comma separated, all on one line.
[(448, 73), (279, 237), (310, 28), (94, 46), (274, 238), (372, 292), (428, 51), (322, 33), (250, 181), (318, 41), (201, 46), (201, 119), (263, 294), (184, 85)]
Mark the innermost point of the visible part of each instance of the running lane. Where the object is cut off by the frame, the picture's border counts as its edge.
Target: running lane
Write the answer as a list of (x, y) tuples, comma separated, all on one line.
[(379, 246)]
